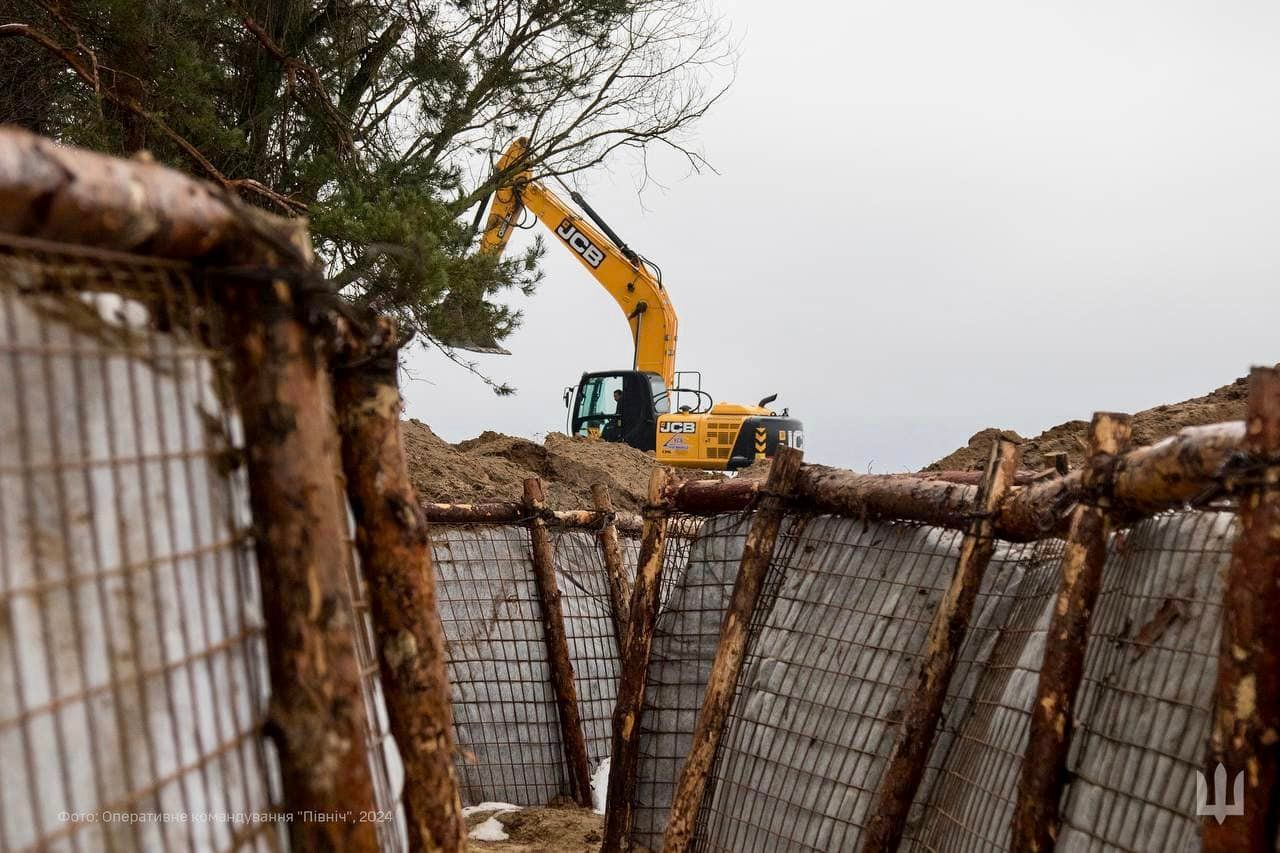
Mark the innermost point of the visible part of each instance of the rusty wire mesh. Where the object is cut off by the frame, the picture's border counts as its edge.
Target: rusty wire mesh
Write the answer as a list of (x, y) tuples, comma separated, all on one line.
[(697, 577), (835, 643), (971, 778), (132, 664), (589, 626), (505, 714), (133, 679), (844, 610), (384, 756)]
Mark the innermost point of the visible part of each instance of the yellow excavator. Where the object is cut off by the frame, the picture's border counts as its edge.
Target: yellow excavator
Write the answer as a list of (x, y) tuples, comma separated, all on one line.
[(646, 406)]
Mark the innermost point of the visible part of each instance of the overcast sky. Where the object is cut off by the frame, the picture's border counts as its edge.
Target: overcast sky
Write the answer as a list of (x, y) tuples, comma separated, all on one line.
[(934, 217)]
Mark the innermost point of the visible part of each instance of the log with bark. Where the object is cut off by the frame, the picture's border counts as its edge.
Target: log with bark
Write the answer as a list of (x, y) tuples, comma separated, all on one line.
[(395, 556), (625, 754), (317, 713), (1245, 734), (947, 631), (1036, 820), (757, 553)]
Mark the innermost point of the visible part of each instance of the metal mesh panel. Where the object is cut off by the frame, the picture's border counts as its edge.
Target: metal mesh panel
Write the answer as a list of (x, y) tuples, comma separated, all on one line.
[(1143, 707), (697, 578), (593, 645), (836, 641), (971, 778), (132, 663), (504, 706), (384, 756), (1148, 687)]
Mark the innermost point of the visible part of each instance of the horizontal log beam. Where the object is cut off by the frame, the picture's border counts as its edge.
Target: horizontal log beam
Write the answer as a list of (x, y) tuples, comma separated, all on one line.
[(514, 513), (1148, 480), (974, 478), (55, 192), (706, 497)]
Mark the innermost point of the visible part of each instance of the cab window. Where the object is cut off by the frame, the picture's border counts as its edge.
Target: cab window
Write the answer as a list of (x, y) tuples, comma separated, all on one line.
[(661, 399), (597, 406)]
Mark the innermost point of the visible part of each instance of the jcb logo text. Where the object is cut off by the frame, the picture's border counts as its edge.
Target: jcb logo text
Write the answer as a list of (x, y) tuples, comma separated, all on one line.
[(568, 232)]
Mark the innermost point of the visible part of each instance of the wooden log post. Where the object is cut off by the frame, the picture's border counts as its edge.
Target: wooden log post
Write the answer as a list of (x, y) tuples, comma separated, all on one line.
[(1036, 820), (395, 555), (757, 553), (611, 551), (624, 763), (544, 572), (317, 715), (906, 764), (1245, 737)]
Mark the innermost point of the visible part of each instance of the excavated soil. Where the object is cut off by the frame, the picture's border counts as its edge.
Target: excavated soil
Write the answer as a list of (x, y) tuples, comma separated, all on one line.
[(493, 467), (1225, 404), (545, 830)]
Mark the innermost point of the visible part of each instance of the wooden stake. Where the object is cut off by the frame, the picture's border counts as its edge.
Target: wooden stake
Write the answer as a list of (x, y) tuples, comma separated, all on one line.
[(756, 555), (1036, 820), (544, 571), (1245, 738), (906, 763), (395, 556), (625, 759), (317, 713), (619, 588)]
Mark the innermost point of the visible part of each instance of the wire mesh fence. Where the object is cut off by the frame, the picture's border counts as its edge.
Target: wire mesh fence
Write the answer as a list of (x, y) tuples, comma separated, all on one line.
[(505, 714), (971, 778), (504, 710), (132, 669), (141, 679), (131, 625), (384, 755), (834, 648), (593, 644), (697, 577)]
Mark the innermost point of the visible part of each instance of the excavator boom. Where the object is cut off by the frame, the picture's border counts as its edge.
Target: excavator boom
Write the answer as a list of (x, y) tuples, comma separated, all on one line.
[(620, 271)]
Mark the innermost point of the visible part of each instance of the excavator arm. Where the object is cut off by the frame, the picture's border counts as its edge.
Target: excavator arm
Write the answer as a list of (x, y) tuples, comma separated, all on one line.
[(619, 270)]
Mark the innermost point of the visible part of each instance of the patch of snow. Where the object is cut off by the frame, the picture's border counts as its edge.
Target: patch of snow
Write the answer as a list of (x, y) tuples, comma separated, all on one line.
[(600, 787), (491, 829), (468, 811)]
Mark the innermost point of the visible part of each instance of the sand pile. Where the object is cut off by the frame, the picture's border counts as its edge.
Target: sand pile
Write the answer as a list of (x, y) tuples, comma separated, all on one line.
[(1225, 404), (493, 467)]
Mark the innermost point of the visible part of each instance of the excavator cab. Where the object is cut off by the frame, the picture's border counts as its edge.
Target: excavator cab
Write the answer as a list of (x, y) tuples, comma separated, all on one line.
[(635, 408), (619, 405)]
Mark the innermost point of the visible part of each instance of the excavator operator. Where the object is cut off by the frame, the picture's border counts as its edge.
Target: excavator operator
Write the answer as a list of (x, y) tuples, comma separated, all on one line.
[(613, 427)]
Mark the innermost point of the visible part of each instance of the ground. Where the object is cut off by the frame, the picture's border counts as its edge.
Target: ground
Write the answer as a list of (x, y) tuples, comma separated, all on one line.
[(1225, 404), (493, 467), (553, 829)]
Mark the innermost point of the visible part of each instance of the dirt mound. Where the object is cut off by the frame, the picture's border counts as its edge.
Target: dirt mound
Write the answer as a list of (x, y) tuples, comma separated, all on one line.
[(545, 830), (1225, 404), (493, 467)]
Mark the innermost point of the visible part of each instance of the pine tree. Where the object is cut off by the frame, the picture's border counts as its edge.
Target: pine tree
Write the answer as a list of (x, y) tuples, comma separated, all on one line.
[(379, 120)]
